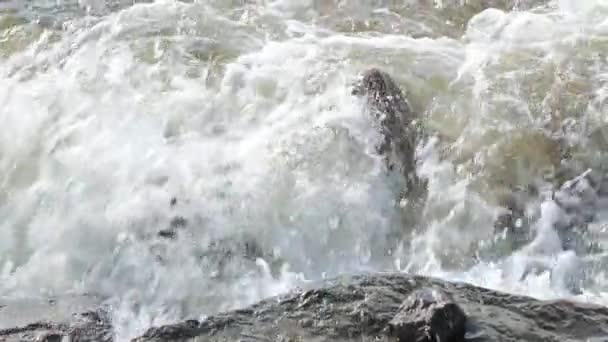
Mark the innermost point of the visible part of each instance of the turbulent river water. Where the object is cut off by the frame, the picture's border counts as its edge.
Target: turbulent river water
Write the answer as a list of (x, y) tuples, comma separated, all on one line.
[(237, 117)]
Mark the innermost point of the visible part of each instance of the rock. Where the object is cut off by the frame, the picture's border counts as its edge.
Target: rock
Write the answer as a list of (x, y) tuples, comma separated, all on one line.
[(176, 223), (428, 316), (512, 223), (578, 200), (395, 121), (400, 133), (233, 250), (223, 257), (51, 337), (167, 233), (365, 307), (92, 324)]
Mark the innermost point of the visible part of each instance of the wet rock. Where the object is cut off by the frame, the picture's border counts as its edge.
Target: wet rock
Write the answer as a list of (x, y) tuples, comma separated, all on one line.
[(229, 257), (394, 119), (167, 233), (547, 172), (578, 201), (176, 223), (91, 326), (365, 307), (400, 132), (232, 251), (88, 326), (221, 256), (512, 224), (428, 316), (51, 337)]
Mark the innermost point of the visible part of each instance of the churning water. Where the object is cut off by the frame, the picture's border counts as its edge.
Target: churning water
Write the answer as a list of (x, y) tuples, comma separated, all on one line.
[(237, 117)]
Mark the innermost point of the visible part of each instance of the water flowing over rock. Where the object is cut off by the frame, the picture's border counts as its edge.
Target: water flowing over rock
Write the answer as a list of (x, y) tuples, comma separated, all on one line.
[(58, 320), (396, 122), (187, 159)]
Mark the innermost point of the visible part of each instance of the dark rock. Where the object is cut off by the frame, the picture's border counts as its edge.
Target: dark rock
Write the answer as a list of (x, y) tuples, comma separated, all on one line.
[(33, 332), (395, 121), (177, 222), (512, 223), (187, 329), (364, 308), (400, 132), (51, 337), (167, 233), (428, 316), (91, 326)]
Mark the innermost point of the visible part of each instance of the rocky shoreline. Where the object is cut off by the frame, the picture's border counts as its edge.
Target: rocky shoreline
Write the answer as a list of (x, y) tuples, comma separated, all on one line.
[(365, 307)]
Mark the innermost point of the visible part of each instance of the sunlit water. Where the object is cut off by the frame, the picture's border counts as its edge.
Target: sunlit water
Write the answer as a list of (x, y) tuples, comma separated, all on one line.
[(242, 112)]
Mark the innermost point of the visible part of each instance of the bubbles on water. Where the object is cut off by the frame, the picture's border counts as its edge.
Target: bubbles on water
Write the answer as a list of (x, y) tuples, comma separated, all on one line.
[(251, 128)]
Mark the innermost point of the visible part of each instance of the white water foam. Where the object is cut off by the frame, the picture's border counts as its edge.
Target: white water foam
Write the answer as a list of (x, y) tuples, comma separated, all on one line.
[(244, 115)]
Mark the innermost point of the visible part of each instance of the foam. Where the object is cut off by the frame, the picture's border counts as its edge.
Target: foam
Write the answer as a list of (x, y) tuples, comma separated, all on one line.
[(253, 132)]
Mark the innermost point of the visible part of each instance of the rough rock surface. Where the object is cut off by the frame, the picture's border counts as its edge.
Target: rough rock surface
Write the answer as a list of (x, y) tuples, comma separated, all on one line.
[(79, 319), (395, 121), (428, 315), (400, 134), (362, 308)]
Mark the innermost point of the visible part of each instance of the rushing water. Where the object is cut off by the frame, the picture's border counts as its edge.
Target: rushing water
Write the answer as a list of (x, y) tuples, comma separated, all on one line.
[(241, 111)]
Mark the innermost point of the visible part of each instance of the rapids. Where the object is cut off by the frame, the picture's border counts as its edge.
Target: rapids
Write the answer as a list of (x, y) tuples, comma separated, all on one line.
[(240, 112)]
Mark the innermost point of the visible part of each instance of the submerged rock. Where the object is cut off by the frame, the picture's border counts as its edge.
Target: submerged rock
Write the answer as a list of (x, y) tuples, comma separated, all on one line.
[(577, 200), (395, 121), (400, 132)]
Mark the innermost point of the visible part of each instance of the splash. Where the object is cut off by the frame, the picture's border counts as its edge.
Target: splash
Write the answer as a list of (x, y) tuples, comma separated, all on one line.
[(239, 121)]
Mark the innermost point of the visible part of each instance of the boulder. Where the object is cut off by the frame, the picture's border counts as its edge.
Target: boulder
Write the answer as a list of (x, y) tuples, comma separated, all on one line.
[(385, 307), (428, 315), (364, 307)]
